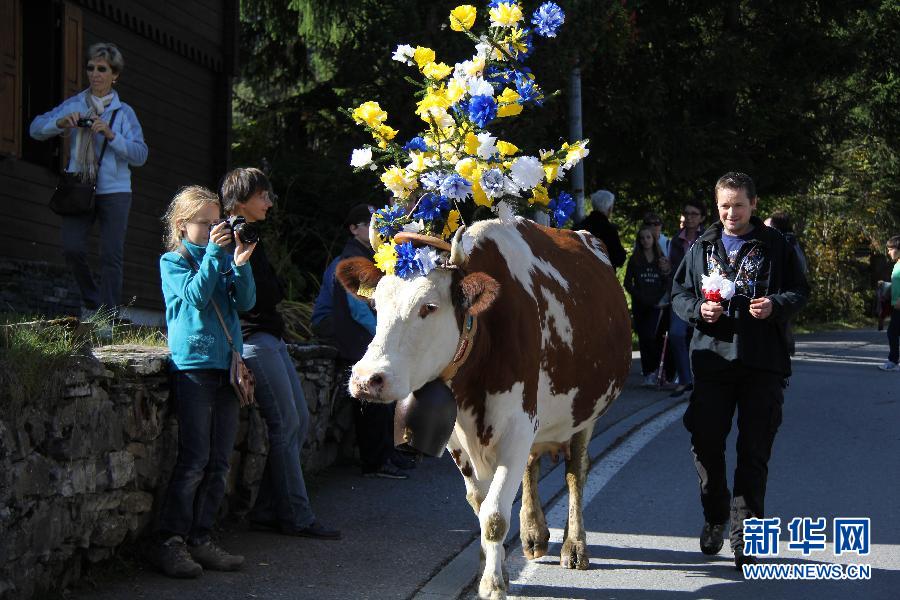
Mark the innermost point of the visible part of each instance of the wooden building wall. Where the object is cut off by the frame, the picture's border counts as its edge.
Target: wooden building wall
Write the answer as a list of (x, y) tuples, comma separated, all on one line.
[(179, 61)]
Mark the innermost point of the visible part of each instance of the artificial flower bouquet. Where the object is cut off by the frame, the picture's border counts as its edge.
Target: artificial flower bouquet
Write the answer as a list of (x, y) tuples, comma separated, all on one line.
[(716, 287), (455, 159)]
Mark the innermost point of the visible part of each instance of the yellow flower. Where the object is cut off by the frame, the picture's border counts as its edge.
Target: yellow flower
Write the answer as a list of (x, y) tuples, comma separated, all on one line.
[(417, 161), (539, 195), (506, 148), (479, 196), (517, 41), (369, 113), (383, 133), (476, 67), (436, 70), (434, 99), (506, 14), (452, 223), (466, 167), (386, 258), (456, 89), (399, 181), (550, 170), (509, 110), (472, 143), (575, 152), (462, 17), (423, 56), (509, 95)]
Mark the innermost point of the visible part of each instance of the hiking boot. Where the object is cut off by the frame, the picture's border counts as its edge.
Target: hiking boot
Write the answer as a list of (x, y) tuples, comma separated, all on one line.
[(387, 471), (214, 558), (741, 559), (712, 537), (889, 366), (172, 558)]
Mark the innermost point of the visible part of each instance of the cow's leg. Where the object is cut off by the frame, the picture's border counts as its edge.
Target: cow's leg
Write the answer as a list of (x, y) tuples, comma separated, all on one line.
[(475, 490), (512, 455), (533, 526), (574, 550)]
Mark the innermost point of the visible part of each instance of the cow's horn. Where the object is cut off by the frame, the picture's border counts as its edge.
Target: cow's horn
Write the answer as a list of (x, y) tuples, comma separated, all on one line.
[(457, 253), (374, 238)]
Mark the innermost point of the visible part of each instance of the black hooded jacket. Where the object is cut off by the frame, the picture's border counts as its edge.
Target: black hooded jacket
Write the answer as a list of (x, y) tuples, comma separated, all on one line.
[(767, 266)]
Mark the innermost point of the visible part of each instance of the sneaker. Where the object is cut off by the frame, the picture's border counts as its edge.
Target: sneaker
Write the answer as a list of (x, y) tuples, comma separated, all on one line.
[(172, 558), (401, 461), (650, 380), (712, 538), (889, 366), (741, 559), (214, 558), (387, 471)]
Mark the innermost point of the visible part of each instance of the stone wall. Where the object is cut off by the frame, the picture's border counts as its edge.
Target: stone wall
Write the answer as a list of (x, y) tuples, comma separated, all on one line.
[(37, 288), (81, 470)]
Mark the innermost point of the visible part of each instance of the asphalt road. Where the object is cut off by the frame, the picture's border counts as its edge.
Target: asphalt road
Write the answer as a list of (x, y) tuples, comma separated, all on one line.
[(837, 455)]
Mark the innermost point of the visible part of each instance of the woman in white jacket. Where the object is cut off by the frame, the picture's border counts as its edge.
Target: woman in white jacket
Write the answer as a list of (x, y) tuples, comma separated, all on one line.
[(92, 119)]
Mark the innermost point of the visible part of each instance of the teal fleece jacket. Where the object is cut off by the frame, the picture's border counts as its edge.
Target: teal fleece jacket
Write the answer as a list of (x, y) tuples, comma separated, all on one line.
[(196, 337)]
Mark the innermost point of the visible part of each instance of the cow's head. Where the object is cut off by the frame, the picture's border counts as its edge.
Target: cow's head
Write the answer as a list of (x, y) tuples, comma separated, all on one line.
[(418, 326)]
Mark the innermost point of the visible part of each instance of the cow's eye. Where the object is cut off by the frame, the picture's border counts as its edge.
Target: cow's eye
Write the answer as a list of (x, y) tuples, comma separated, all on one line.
[(427, 309)]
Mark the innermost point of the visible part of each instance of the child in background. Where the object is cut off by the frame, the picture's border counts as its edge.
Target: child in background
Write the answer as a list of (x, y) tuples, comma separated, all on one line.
[(199, 273)]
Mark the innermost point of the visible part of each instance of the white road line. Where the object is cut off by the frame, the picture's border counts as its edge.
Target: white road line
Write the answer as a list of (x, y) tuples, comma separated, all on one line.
[(601, 474)]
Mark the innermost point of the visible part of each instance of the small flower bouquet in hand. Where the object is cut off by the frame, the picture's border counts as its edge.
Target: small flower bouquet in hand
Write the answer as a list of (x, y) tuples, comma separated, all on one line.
[(717, 288)]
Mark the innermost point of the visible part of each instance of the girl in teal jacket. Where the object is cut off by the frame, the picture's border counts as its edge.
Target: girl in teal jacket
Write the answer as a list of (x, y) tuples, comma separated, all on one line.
[(205, 403)]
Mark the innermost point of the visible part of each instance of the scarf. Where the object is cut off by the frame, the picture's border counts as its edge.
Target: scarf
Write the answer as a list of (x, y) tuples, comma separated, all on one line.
[(85, 156)]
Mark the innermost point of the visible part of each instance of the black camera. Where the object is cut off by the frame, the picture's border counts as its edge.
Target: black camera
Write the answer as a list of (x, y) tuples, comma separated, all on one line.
[(85, 122), (247, 232)]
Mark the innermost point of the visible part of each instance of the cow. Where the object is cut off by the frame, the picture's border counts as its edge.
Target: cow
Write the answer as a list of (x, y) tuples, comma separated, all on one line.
[(549, 353)]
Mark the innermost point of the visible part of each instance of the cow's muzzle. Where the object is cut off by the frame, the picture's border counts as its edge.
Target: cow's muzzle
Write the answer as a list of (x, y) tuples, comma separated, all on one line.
[(367, 386)]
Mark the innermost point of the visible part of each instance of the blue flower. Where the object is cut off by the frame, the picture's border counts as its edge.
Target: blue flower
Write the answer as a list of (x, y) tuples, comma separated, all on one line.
[(407, 264), (548, 18), (561, 209), (431, 180), (417, 143), (386, 220), (528, 89), (496, 3), (432, 207), (455, 186), (482, 110)]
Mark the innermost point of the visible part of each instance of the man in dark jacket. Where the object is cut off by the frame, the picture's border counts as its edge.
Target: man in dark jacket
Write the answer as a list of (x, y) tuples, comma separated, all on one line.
[(739, 355), (353, 324), (598, 224)]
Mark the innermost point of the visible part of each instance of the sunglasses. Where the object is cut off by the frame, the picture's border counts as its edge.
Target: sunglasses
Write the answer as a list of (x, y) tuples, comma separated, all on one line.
[(99, 68)]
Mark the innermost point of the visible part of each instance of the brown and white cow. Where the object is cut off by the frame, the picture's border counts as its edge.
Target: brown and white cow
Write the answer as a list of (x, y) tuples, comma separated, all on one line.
[(551, 352)]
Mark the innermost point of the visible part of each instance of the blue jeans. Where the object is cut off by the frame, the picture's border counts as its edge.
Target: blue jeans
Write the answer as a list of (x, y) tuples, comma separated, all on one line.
[(282, 493), (112, 211), (207, 410), (678, 340)]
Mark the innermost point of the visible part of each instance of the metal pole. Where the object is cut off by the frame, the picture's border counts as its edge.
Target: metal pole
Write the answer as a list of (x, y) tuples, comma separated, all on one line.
[(577, 172)]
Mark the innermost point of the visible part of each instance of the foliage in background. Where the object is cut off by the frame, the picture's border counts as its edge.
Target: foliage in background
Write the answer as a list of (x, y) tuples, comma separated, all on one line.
[(804, 96)]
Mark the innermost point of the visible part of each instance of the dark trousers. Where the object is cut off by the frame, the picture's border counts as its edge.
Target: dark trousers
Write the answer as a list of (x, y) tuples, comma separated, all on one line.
[(893, 335), (646, 319), (374, 429), (112, 212), (758, 397), (207, 411)]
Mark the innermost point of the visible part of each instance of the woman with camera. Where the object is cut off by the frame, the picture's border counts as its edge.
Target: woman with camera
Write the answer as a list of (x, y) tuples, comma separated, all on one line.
[(97, 124), (282, 504)]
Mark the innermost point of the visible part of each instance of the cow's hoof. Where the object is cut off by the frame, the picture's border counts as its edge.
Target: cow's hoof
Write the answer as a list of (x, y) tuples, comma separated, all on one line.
[(574, 555), (491, 588), (535, 541)]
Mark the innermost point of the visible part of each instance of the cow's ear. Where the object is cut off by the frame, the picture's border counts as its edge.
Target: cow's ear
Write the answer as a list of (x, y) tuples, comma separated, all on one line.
[(478, 290), (359, 276)]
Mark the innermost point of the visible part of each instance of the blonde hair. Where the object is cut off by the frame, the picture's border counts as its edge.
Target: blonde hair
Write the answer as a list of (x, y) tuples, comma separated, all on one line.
[(189, 201)]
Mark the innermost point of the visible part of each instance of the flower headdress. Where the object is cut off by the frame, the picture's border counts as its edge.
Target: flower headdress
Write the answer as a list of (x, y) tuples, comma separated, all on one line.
[(455, 159)]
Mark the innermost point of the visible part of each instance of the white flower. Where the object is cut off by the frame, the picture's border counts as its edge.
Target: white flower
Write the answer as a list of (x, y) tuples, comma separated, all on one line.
[(362, 157), (486, 146), (441, 117), (505, 212), (495, 184), (428, 259), (479, 87), (404, 54), (717, 283), (414, 227), (527, 172), (468, 243)]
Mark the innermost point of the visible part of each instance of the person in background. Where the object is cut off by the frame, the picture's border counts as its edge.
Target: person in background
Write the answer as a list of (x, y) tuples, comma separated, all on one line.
[(354, 327), (739, 355), (782, 222), (85, 118), (652, 220), (599, 225), (204, 287), (680, 330), (893, 330), (646, 276), (283, 503)]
